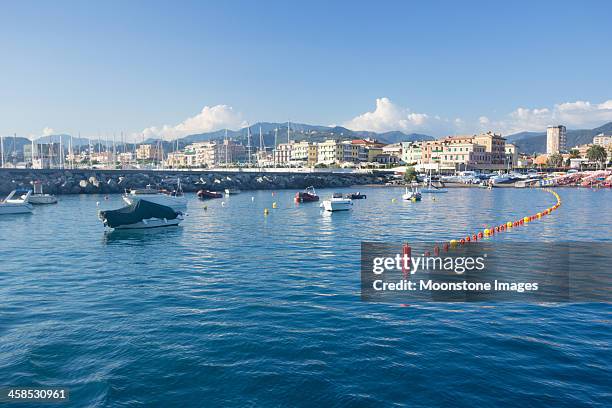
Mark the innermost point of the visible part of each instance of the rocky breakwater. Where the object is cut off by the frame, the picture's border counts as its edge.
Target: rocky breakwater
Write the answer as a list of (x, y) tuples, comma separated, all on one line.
[(117, 181)]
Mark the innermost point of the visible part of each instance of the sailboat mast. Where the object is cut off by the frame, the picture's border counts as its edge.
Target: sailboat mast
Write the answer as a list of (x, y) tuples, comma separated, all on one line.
[(249, 142), (32, 148), (2, 150), (61, 151), (225, 143), (275, 140)]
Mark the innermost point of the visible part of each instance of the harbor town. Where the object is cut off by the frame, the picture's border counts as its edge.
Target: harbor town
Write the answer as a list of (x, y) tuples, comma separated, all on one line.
[(305, 204)]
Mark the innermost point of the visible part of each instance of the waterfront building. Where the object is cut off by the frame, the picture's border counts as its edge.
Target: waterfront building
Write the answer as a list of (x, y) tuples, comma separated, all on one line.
[(386, 158), (282, 153), (469, 155), (485, 151), (181, 159), (214, 153), (304, 153), (603, 141), (511, 155), (147, 152), (494, 144), (330, 152), (555, 139), (353, 153), (412, 152), (370, 148), (394, 149)]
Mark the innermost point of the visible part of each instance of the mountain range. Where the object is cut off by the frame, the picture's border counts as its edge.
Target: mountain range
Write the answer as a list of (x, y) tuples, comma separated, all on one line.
[(526, 142), (535, 142)]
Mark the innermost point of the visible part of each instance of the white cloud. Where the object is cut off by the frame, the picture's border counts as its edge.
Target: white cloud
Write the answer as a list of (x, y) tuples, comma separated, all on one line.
[(211, 118), (388, 116), (578, 114), (48, 131)]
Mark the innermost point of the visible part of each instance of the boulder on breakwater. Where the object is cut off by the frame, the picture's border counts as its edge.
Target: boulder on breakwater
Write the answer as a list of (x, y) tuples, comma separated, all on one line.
[(85, 181)]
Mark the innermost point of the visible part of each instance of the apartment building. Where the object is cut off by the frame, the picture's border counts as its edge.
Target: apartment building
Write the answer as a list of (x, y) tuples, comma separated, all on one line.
[(304, 153), (282, 153), (555, 139), (412, 152), (603, 140), (147, 152), (511, 155), (329, 152)]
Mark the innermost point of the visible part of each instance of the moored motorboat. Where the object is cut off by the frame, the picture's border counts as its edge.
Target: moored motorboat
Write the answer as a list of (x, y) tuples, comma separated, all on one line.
[(355, 196), (412, 195), (207, 194), (306, 196), (12, 205), (139, 215), (38, 197), (337, 203)]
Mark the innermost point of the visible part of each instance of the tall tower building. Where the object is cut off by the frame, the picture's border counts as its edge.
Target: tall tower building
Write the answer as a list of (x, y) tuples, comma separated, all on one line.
[(555, 139)]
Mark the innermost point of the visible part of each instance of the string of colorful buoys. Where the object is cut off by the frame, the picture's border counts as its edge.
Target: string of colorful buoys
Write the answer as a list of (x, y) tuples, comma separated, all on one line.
[(489, 232)]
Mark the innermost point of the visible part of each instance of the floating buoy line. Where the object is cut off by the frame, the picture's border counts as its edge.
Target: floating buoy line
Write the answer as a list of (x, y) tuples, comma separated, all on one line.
[(489, 232)]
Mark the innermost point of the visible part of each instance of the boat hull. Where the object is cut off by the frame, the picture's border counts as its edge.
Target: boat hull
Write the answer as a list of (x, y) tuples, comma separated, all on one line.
[(337, 205), (15, 208), (205, 194), (151, 223), (305, 198), (411, 197), (42, 199)]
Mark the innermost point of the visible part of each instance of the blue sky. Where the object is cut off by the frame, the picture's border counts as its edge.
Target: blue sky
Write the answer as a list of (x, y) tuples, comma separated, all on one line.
[(171, 68)]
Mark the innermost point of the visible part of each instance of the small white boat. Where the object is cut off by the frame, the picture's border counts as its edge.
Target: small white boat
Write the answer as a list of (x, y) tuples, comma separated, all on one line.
[(12, 205), (337, 203), (175, 199), (232, 191), (413, 194), (38, 197)]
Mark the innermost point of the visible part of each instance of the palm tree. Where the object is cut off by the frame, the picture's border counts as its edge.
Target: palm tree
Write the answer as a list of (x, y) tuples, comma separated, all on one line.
[(574, 154), (555, 160), (597, 154)]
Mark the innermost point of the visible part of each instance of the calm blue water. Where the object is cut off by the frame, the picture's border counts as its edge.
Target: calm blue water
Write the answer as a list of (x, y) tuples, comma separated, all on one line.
[(234, 308)]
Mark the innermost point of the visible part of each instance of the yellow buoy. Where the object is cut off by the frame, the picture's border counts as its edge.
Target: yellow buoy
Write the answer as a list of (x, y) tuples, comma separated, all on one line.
[(274, 204), (393, 200), (266, 211), (453, 243), (509, 224), (526, 219)]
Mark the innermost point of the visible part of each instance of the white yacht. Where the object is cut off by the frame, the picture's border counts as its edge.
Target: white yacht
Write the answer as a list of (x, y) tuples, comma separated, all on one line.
[(38, 197), (175, 199), (12, 205), (501, 178), (337, 203)]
